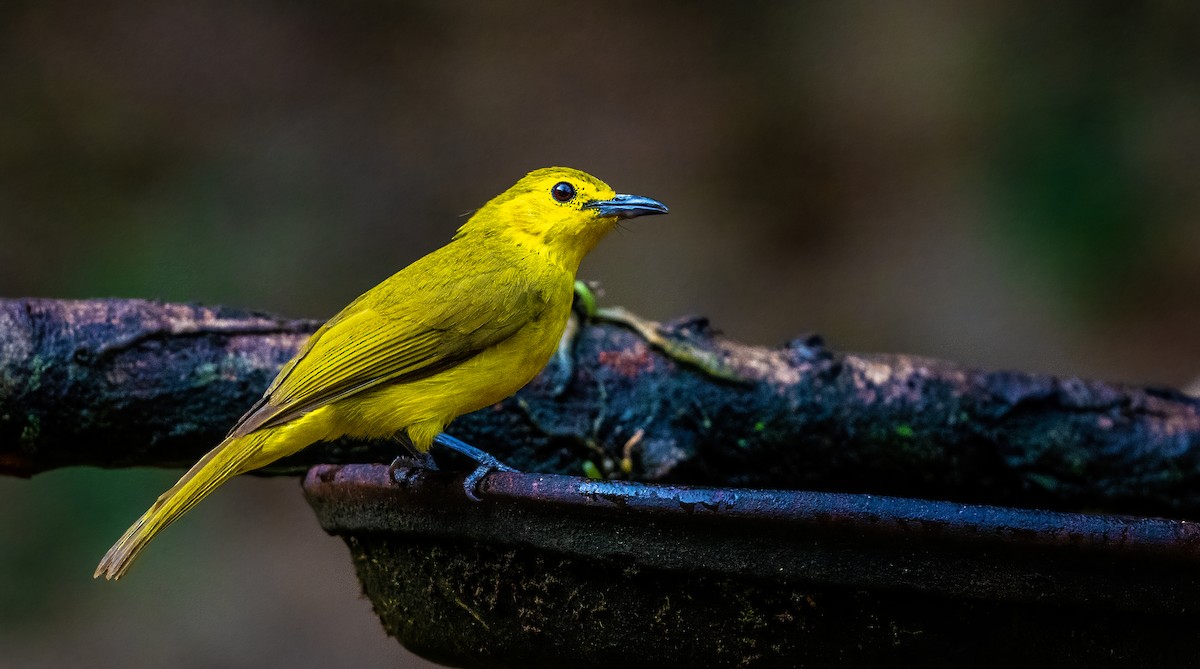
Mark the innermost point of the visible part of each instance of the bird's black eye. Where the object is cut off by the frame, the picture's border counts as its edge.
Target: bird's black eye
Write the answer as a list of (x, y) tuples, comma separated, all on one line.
[(563, 192)]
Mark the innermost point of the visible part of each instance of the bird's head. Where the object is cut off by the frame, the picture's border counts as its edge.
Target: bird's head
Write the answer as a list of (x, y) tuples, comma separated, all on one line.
[(564, 211)]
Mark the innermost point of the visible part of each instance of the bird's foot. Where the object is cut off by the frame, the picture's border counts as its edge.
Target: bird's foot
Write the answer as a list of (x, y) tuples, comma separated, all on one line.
[(405, 467), (486, 463), (471, 483)]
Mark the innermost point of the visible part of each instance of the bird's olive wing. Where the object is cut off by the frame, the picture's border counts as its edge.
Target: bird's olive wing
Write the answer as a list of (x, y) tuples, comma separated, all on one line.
[(395, 334)]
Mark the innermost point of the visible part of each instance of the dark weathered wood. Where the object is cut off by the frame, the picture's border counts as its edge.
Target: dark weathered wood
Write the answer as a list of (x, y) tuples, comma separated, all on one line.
[(116, 383)]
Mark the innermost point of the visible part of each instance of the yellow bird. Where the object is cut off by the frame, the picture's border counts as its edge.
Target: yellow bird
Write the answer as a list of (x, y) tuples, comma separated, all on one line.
[(457, 330)]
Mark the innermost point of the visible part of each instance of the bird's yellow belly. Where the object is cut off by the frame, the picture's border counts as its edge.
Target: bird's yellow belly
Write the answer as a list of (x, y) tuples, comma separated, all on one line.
[(423, 407)]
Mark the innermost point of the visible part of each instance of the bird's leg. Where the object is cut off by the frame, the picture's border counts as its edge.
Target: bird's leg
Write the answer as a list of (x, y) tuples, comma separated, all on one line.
[(486, 463), (410, 460)]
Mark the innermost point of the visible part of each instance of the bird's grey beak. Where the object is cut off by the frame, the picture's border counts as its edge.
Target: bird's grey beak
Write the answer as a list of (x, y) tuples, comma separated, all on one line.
[(627, 206)]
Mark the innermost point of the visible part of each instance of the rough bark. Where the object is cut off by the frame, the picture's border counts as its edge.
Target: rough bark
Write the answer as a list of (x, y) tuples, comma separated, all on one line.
[(117, 383)]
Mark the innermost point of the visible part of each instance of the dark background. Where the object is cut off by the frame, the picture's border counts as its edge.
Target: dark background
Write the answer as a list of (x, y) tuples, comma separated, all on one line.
[(1007, 185)]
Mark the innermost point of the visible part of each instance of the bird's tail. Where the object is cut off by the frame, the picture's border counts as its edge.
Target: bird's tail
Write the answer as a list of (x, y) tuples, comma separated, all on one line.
[(227, 460)]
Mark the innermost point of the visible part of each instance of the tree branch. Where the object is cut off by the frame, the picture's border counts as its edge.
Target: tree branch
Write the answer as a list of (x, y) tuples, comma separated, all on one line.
[(115, 383)]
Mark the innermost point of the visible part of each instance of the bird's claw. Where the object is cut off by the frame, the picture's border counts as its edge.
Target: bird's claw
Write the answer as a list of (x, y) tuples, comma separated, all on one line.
[(486, 462), (471, 483), (406, 467)]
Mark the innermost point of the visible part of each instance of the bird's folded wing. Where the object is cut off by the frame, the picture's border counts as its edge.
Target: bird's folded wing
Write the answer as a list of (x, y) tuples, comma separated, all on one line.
[(395, 336)]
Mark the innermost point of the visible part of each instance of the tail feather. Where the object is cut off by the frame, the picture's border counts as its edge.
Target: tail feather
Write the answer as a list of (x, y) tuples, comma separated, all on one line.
[(220, 464)]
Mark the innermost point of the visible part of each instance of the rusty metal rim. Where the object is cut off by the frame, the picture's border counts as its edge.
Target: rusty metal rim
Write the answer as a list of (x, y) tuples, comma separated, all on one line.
[(942, 571), (866, 517)]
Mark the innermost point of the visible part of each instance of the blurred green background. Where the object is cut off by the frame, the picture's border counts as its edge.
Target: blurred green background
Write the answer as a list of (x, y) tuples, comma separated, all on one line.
[(1008, 185)]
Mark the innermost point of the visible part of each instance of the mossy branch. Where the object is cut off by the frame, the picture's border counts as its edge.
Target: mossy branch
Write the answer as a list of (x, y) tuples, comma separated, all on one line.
[(118, 383)]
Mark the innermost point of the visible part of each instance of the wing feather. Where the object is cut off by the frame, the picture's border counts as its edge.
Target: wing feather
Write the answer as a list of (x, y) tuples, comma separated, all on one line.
[(402, 330)]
